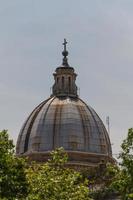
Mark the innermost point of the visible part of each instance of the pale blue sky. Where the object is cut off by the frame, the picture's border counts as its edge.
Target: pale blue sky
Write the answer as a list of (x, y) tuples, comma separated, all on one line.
[(100, 36)]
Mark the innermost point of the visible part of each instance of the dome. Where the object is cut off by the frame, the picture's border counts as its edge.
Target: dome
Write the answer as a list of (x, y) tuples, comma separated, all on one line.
[(65, 120)]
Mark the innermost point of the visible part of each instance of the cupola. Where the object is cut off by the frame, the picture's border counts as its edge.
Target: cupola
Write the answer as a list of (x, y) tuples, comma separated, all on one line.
[(65, 78)]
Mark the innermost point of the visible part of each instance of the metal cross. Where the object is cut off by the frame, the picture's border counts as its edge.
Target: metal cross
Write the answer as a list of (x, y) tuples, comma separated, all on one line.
[(64, 43)]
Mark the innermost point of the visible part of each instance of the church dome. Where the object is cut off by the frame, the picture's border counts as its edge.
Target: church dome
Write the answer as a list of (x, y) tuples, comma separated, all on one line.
[(65, 120)]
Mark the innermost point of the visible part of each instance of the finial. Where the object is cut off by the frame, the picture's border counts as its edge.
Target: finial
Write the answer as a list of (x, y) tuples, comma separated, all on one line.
[(64, 43), (65, 54)]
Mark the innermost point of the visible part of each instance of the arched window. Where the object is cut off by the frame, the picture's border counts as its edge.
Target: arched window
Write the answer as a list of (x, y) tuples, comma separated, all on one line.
[(69, 83), (57, 80), (62, 81)]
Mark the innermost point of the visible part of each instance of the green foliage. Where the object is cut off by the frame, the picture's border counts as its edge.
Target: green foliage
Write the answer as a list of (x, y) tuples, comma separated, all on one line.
[(119, 180), (126, 155), (102, 179), (123, 178), (51, 180), (12, 176), (55, 182)]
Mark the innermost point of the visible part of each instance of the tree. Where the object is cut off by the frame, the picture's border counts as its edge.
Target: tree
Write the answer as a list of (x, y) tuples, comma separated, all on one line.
[(101, 179), (13, 183), (54, 181), (120, 178), (126, 155)]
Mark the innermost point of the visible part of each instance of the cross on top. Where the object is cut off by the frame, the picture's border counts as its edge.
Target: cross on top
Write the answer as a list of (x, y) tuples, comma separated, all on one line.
[(65, 54), (64, 43)]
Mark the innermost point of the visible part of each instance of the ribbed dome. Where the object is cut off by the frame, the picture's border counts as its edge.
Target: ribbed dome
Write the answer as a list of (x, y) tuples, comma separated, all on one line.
[(64, 120), (67, 122)]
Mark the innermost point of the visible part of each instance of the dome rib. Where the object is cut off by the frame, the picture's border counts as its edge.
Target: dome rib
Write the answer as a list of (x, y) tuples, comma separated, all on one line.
[(103, 128), (45, 114), (108, 144), (106, 137), (31, 124), (57, 126), (25, 124), (83, 125), (95, 125)]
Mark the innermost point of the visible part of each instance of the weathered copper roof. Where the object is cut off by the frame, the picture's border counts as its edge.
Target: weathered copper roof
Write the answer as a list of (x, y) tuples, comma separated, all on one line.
[(67, 122)]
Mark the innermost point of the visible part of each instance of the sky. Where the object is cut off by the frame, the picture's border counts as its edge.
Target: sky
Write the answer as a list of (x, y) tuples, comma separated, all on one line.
[(100, 45)]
